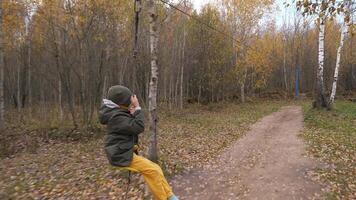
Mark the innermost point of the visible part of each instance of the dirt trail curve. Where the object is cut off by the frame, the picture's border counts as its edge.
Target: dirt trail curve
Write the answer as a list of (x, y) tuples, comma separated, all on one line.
[(269, 162)]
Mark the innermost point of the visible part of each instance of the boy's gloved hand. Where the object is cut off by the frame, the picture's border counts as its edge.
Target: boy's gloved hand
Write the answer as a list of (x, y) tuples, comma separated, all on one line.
[(135, 105)]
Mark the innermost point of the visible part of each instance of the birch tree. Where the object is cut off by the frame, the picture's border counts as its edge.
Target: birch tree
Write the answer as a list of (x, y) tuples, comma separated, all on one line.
[(322, 10), (153, 155), (320, 89), (285, 36), (79, 48), (2, 106), (344, 32), (28, 46), (183, 60)]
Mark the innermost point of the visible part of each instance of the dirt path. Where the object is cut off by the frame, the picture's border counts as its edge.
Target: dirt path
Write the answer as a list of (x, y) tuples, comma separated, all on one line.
[(267, 163)]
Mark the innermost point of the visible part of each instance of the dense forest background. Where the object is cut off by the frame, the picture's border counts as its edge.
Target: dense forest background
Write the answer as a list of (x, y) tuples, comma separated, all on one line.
[(61, 56)]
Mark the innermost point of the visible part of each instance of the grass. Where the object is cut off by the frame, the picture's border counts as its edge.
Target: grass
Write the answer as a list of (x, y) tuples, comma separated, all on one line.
[(73, 169), (331, 137)]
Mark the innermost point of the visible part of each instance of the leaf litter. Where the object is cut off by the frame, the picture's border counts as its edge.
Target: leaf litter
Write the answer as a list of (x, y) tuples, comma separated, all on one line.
[(188, 138)]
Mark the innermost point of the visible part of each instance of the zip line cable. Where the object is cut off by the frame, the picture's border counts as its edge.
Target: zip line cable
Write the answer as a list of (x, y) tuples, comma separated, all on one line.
[(199, 20)]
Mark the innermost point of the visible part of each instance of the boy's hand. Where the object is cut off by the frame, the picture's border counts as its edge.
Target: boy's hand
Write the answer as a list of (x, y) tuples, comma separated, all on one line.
[(134, 104), (134, 101)]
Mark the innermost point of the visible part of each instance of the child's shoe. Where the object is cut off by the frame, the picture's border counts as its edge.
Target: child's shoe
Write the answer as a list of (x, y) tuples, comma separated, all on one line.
[(173, 197)]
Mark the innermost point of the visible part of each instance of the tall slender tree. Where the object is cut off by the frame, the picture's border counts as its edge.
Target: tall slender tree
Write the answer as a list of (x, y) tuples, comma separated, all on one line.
[(322, 9), (344, 32), (320, 100), (183, 59), (2, 100), (152, 105)]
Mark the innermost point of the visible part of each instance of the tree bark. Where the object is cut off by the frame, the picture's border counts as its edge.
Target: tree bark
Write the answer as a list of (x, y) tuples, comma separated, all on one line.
[(60, 101), (344, 32), (29, 75), (285, 65), (153, 154), (243, 92), (353, 74), (243, 86), (320, 99), (2, 100), (183, 61), (29, 78), (182, 68), (18, 95), (337, 67)]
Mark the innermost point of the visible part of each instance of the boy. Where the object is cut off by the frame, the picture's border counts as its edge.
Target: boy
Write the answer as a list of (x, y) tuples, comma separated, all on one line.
[(122, 114)]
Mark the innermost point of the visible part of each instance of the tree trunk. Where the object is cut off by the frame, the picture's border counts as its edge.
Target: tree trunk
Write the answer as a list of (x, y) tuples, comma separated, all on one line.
[(153, 154), (104, 90), (242, 88), (182, 69), (320, 100), (29, 78), (2, 100), (60, 101), (42, 100), (199, 92), (165, 87), (344, 32), (285, 50), (176, 87), (353, 71), (29, 88), (243, 92), (18, 95), (284, 65), (183, 61), (337, 67)]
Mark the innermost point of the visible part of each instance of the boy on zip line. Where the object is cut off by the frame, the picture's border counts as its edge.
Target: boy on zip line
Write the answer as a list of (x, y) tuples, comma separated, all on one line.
[(122, 114)]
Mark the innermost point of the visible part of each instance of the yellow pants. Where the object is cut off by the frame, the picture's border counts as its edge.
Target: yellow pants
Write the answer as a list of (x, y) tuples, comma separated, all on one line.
[(153, 175)]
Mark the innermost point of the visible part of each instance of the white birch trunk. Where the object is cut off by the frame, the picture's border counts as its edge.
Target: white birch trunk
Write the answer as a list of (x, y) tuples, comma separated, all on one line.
[(152, 104), (337, 67), (344, 32), (2, 100), (320, 96)]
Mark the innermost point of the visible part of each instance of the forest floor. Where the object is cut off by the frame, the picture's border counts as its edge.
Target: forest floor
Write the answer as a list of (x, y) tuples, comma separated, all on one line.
[(77, 168), (269, 162), (331, 139), (216, 151)]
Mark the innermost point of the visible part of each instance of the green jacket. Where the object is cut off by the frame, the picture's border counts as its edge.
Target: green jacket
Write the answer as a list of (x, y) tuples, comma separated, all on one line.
[(123, 130)]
